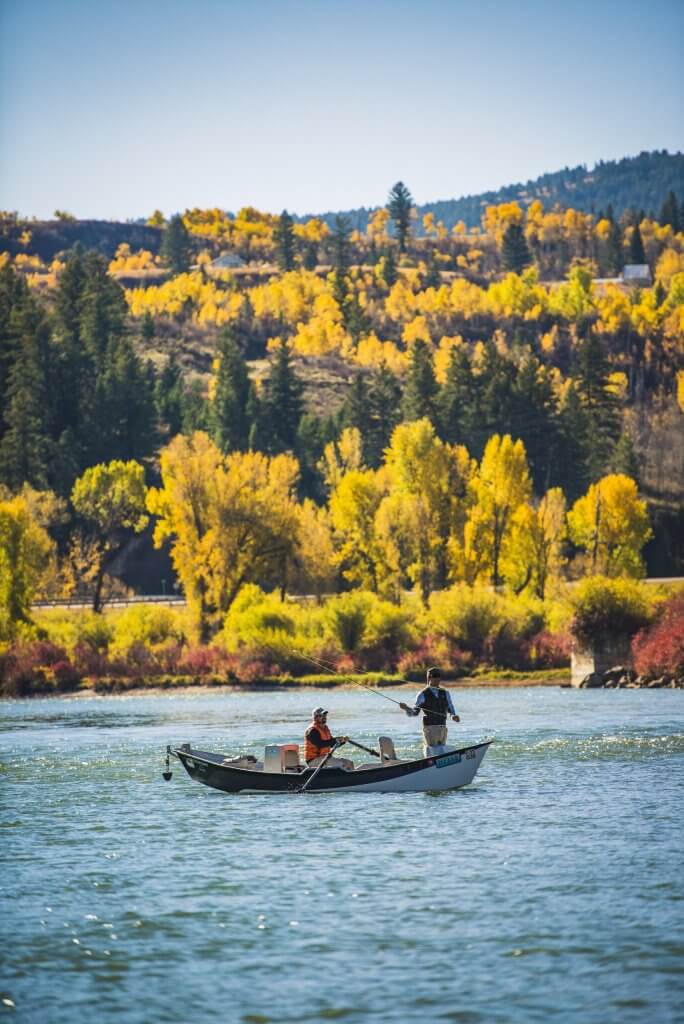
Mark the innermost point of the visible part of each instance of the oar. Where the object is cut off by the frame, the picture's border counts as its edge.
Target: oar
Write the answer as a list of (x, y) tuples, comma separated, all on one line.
[(321, 765), (368, 750)]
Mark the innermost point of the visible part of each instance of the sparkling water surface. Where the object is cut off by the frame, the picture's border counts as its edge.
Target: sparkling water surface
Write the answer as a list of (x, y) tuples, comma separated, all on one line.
[(549, 890)]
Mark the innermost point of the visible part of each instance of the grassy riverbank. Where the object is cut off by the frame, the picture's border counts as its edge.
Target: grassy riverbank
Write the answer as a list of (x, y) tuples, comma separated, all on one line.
[(180, 684)]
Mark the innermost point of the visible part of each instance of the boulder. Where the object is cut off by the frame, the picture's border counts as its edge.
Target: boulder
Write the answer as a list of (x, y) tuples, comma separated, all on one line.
[(592, 682)]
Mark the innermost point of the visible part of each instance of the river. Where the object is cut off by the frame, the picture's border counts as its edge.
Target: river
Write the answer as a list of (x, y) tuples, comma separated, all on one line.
[(550, 890)]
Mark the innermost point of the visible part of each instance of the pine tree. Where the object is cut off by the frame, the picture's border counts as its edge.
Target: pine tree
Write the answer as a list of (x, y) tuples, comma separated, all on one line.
[(354, 412), (569, 468), (389, 271), (228, 416), (284, 404), (123, 413), (600, 405), (455, 400), (636, 247), (25, 449), (420, 391), (614, 258), (669, 212), (383, 415), (175, 247), (341, 247), (534, 419), (433, 277), (399, 205), (514, 249), (168, 399), (284, 239), (624, 459)]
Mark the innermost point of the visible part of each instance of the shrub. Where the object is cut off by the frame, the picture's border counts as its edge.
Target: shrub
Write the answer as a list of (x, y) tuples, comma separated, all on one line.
[(465, 616), (604, 606), (148, 624), (547, 650), (346, 618), (65, 676), (660, 649), (257, 619)]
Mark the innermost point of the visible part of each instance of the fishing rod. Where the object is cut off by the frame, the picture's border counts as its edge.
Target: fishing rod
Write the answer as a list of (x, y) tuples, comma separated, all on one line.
[(329, 668)]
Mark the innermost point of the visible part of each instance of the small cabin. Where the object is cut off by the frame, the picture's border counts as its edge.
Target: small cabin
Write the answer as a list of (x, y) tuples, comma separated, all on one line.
[(227, 261), (637, 275)]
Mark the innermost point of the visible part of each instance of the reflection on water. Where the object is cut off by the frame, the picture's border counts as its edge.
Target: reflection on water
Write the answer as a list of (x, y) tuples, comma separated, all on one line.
[(549, 890)]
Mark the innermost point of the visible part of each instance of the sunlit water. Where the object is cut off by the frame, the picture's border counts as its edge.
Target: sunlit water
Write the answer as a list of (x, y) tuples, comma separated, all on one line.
[(550, 890)]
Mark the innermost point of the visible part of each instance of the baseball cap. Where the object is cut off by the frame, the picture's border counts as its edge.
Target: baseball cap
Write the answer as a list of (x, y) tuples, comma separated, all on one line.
[(318, 711)]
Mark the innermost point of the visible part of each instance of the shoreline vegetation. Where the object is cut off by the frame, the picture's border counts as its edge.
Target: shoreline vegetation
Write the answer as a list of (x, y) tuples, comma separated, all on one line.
[(156, 686)]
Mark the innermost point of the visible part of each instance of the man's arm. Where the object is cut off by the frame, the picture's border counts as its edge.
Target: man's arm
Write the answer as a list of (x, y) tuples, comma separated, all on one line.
[(415, 710), (451, 709)]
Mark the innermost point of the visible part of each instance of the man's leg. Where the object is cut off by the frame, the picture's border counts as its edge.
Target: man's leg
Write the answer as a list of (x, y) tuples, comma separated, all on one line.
[(431, 737)]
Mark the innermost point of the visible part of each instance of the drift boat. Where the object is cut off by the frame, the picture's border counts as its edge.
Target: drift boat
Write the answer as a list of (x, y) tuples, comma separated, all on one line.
[(281, 772)]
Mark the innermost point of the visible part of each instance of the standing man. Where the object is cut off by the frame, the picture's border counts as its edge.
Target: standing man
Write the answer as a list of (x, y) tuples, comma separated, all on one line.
[(318, 741), (436, 704)]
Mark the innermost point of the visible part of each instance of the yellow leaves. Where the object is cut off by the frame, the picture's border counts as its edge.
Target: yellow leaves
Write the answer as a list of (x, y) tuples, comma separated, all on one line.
[(321, 336), (112, 496), (496, 219), (156, 220), (341, 456), (680, 389), (231, 519), (669, 264), (373, 353), (443, 354), (314, 230), (602, 229), (518, 296), (400, 304), (611, 524), (377, 225), (617, 384), (416, 330), (125, 261)]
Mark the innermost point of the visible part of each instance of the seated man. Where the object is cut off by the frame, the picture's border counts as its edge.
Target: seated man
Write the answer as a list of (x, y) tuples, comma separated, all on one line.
[(318, 741)]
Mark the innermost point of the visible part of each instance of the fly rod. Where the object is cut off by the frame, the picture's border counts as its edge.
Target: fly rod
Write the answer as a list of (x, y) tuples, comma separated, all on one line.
[(329, 668)]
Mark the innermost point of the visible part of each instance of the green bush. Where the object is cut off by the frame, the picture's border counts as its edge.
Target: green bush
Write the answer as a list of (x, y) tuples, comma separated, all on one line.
[(603, 607), (465, 616), (346, 618), (256, 619), (152, 625)]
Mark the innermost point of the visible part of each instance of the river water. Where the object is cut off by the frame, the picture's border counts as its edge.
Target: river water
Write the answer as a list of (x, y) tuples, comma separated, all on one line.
[(550, 890)]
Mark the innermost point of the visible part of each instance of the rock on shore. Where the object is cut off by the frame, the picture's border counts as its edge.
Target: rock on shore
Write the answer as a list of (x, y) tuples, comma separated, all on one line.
[(621, 678)]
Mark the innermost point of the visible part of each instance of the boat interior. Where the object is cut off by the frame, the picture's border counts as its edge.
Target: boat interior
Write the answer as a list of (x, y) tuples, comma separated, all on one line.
[(285, 758)]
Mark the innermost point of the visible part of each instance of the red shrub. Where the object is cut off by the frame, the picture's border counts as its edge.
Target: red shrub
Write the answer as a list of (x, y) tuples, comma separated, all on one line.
[(66, 676), (547, 650), (660, 648)]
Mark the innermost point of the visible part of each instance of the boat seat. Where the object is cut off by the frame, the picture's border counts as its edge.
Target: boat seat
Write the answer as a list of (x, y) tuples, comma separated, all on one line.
[(291, 760), (387, 751)]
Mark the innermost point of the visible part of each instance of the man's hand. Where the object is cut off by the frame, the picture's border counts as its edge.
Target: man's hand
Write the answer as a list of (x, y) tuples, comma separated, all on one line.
[(404, 707), (341, 740), (455, 718)]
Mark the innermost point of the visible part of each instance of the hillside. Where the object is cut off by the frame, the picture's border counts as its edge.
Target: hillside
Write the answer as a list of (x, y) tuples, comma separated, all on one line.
[(641, 182)]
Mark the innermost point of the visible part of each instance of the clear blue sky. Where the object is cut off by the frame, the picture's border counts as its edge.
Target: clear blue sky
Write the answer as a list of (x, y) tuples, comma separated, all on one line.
[(112, 108)]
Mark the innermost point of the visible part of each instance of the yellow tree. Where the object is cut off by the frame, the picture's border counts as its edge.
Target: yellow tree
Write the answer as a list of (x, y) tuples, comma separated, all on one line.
[(231, 520), (353, 507), (610, 523), (314, 558), (499, 488), (428, 483), (110, 498), (533, 552), (341, 456), (26, 551)]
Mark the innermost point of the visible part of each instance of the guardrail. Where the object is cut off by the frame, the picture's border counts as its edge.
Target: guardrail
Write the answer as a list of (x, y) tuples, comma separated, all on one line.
[(86, 600)]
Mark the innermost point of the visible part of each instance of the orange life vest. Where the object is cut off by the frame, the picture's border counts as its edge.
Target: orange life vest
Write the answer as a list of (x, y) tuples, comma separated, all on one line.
[(310, 748)]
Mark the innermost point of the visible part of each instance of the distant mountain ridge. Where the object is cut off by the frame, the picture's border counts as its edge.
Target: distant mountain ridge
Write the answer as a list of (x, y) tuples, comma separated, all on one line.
[(638, 182)]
